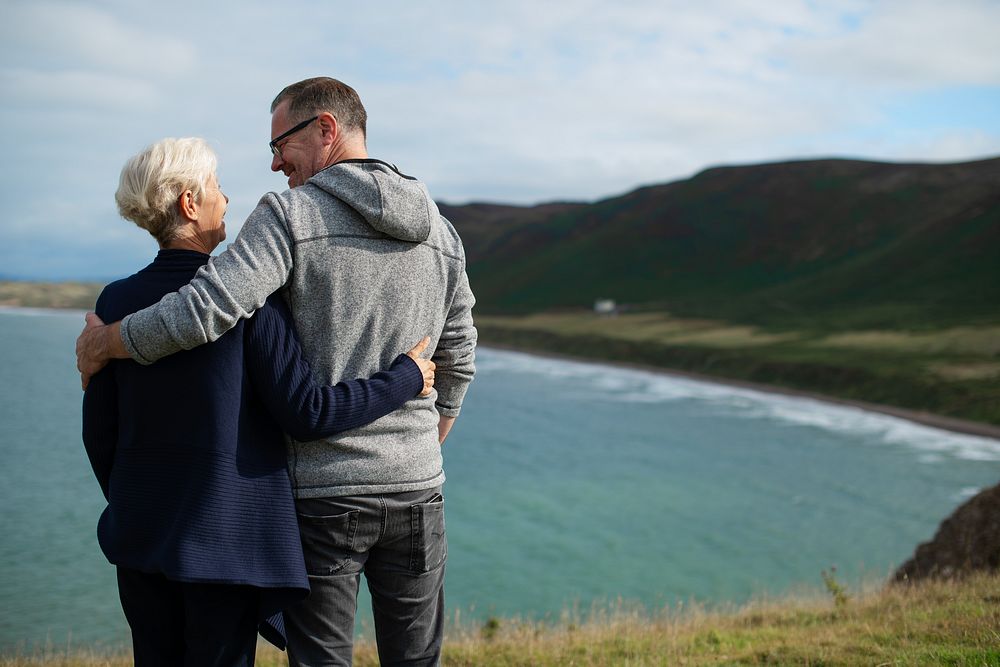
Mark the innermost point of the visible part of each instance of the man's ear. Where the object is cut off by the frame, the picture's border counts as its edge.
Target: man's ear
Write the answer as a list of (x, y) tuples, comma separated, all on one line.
[(186, 205), (329, 127)]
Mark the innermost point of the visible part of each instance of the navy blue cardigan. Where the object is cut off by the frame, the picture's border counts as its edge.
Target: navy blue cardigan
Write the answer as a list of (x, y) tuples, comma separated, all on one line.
[(190, 452)]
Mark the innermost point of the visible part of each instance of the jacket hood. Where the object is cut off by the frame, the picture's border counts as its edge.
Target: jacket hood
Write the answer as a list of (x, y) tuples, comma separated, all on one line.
[(391, 202)]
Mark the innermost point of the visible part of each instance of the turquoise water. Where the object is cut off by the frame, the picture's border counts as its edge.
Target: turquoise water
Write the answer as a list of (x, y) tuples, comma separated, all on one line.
[(569, 484)]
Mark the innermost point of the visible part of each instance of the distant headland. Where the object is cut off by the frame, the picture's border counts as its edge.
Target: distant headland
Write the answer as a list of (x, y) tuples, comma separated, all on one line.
[(30, 294)]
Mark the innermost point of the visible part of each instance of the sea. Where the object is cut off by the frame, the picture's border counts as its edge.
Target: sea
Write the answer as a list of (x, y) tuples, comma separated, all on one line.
[(573, 488)]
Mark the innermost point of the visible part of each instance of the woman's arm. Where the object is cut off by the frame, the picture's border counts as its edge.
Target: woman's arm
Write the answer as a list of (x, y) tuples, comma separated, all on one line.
[(100, 423), (304, 409)]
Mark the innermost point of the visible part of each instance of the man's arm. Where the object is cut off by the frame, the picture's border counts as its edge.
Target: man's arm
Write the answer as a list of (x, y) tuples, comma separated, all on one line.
[(230, 287), (444, 428), (455, 356)]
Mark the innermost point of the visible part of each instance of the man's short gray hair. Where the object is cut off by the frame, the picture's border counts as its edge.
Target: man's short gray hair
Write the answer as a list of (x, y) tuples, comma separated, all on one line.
[(318, 94), (152, 182)]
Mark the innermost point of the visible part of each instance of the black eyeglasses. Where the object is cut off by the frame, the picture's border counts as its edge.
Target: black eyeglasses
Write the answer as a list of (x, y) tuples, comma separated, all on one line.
[(273, 144)]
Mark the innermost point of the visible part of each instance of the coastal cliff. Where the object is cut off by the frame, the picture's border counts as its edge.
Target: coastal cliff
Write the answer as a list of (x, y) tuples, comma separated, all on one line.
[(967, 541)]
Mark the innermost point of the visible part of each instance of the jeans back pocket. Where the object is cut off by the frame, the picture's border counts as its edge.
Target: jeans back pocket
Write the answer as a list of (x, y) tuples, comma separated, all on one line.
[(429, 546), (328, 541)]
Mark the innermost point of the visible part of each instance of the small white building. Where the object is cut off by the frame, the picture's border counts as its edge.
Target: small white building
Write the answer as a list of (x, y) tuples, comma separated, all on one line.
[(605, 307)]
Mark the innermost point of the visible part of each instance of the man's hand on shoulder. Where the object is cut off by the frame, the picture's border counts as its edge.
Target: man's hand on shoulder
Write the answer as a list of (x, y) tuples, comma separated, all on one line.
[(98, 343)]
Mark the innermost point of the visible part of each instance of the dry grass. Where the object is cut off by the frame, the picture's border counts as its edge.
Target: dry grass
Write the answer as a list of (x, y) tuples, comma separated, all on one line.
[(661, 327), (984, 341), (966, 371), (939, 623), (651, 327)]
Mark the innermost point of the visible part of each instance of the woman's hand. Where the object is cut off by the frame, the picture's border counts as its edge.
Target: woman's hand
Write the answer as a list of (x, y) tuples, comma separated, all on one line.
[(426, 365)]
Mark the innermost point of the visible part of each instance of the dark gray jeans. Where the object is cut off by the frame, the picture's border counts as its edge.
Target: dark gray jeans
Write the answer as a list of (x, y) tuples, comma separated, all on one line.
[(398, 541)]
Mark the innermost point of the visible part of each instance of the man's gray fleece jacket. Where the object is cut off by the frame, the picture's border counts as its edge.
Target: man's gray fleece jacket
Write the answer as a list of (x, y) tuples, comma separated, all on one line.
[(368, 267)]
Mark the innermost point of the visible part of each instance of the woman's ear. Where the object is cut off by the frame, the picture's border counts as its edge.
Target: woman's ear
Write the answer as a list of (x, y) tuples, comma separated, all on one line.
[(187, 206)]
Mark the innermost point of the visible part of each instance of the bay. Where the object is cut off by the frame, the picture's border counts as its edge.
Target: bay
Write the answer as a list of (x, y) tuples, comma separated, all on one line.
[(570, 485)]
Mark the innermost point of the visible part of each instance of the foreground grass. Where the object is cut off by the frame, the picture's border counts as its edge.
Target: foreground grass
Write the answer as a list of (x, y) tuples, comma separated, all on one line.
[(939, 623), (953, 371)]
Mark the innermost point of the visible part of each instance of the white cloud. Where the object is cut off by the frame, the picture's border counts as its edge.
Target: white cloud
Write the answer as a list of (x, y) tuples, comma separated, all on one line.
[(515, 101), (53, 34), (912, 44), (76, 56), (77, 89)]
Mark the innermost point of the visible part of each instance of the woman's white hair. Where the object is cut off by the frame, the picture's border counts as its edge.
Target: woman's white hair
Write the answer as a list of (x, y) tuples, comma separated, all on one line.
[(152, 182)]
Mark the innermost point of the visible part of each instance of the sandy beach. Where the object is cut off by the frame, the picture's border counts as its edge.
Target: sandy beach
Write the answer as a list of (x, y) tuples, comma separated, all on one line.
[(923, 418)]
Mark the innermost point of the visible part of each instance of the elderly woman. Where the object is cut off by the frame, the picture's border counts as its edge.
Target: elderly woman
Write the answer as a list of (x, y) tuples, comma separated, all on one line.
[(189, 452)]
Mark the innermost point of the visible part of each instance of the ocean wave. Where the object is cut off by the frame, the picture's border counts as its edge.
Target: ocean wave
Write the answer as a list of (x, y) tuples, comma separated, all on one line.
[(965, 493), (612, 383)]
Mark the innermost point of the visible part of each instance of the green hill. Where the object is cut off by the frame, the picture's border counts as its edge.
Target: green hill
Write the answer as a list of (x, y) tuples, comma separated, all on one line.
[(841, 243), (860, 280)]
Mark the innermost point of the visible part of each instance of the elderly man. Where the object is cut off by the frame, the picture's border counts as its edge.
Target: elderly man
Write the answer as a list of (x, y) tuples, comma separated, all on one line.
[(366, 264)]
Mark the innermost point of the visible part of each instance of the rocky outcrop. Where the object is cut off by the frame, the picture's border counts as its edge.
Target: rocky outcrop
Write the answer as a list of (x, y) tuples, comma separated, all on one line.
[(967, 541)]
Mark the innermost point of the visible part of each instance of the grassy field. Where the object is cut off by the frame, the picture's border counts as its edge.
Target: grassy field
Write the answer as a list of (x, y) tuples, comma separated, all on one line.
[(939, 623), (948, 371)]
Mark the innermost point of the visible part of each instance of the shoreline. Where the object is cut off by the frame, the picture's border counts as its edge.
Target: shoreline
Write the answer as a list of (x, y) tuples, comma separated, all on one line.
[(930, 419), (953, 424)]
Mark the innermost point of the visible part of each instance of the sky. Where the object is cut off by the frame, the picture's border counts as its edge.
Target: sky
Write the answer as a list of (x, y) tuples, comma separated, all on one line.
[(516, 102)]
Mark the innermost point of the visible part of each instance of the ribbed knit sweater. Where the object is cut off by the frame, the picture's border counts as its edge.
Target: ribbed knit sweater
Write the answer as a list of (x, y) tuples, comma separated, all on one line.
[(190, 452)]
